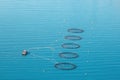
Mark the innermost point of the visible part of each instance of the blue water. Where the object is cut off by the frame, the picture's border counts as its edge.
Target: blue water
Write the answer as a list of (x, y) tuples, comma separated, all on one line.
[(39, 26)]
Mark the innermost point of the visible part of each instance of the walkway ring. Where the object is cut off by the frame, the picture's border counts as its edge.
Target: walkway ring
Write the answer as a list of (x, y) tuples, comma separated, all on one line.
[(65, 66), (70, 45), (75, 30), (68, 55), (73, 37)]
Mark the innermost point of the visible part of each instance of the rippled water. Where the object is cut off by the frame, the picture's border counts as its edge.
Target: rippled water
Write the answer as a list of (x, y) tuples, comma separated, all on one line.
[(40, 26)]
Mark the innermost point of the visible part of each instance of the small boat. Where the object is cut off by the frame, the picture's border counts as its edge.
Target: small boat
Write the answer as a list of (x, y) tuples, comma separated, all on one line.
[(24, 52)]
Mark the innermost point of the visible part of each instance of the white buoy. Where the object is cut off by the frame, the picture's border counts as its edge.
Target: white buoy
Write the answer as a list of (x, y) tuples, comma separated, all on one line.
[(24, 52)]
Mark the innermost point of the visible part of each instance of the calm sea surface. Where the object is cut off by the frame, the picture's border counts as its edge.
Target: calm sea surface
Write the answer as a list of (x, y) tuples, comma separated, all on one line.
[(39, 26)]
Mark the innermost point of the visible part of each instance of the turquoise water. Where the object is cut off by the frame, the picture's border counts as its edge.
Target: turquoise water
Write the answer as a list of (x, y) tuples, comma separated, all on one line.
[(39, 26)]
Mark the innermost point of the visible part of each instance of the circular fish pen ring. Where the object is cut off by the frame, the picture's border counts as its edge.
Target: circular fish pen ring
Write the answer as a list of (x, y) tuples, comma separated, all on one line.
[(70, 45), (68, 55), (65, 66), (74, 30), (72, 37)]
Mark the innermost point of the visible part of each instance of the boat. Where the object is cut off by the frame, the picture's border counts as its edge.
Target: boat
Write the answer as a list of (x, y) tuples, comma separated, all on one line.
[(24, 52)]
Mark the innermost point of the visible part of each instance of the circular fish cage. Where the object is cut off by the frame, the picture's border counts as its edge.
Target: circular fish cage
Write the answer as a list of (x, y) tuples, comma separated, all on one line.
[(70, 45), (75, 30), (72, 37), (65, 66), (68, 55)]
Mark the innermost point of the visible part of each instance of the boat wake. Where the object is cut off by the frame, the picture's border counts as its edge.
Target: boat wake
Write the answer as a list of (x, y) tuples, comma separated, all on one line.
[(44, 53)]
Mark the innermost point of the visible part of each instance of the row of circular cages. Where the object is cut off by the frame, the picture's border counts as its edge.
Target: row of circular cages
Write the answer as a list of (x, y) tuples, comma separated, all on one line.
[(69, 55)]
